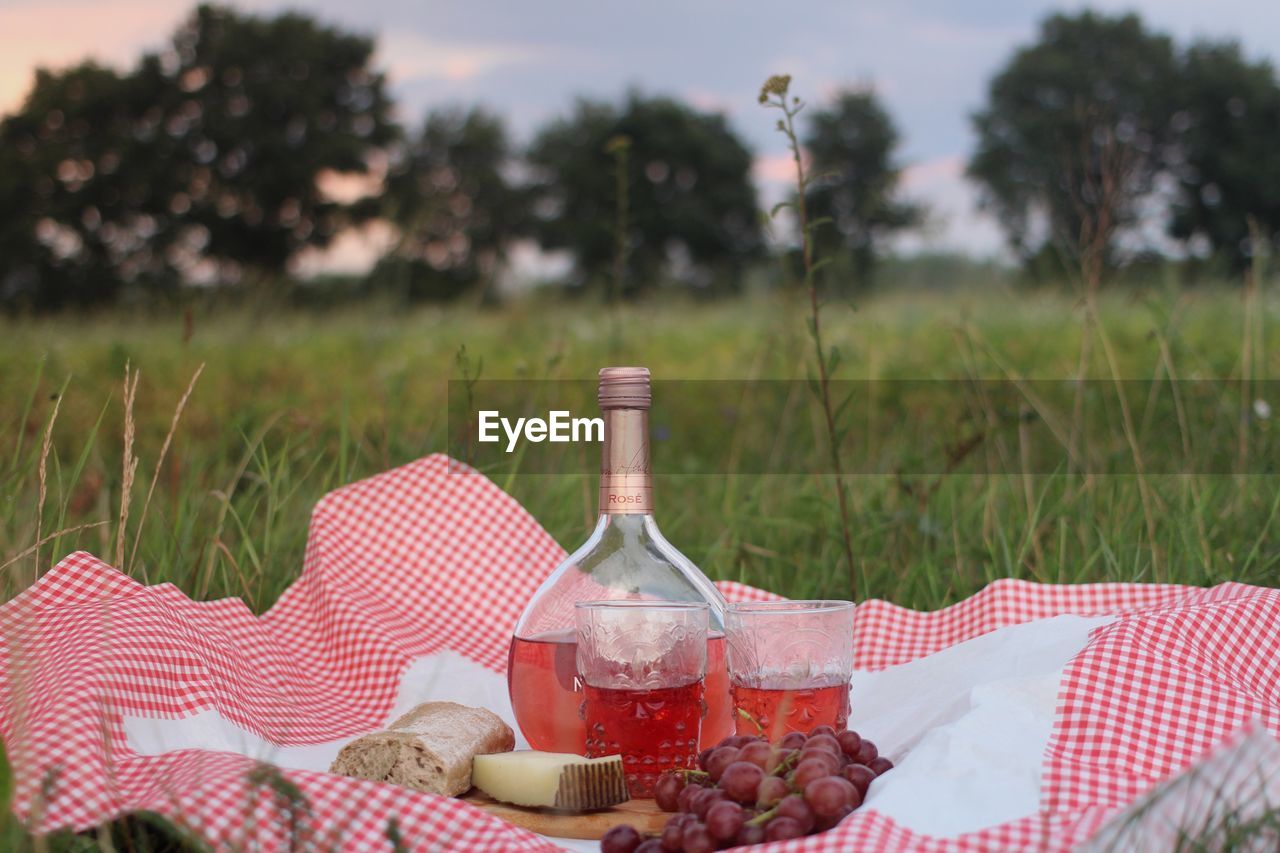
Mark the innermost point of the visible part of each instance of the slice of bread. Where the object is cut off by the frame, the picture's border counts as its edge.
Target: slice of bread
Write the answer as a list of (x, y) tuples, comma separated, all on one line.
[(428, 749)]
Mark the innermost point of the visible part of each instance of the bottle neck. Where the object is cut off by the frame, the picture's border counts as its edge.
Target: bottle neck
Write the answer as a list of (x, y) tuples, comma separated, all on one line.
[(626, 481)]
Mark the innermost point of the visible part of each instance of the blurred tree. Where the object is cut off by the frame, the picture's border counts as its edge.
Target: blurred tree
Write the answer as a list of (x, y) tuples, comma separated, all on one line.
[(76, 187), (1227, 161), (257, 111), (1073, 134), (852, 144), (207, 154), (449, 193), (692, 207)]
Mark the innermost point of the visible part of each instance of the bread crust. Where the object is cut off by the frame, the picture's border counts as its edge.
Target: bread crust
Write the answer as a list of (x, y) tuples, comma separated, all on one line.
[(428, 749)]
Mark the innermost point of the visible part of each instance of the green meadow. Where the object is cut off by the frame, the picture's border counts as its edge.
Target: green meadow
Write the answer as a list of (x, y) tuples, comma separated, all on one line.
[(291, 405)]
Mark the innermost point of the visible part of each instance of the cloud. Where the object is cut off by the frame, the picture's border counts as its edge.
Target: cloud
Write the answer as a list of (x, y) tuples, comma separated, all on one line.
[(709, 101), (64, 32), (410, 56), (941, 170), (773, 169), (955, 222)]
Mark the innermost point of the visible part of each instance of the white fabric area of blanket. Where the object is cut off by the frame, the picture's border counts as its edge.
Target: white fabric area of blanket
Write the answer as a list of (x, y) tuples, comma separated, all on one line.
[(967, 726)]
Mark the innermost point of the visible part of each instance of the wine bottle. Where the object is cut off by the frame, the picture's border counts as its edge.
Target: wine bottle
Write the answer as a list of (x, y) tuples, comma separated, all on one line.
[(626, 556)]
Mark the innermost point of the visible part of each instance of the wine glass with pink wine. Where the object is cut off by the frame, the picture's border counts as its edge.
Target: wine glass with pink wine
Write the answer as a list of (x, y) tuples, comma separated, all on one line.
[(789, 665), (642, 665)]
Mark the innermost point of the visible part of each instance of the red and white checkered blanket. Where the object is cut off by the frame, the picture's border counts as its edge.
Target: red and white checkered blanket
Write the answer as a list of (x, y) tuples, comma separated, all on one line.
[(428, 557)]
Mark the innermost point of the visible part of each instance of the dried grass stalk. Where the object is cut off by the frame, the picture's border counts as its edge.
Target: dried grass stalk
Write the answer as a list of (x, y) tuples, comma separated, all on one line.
[(44, 480), (130, 461), (155, 475)]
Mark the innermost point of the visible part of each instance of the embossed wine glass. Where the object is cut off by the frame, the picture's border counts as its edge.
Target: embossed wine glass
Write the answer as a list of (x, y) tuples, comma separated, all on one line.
[(789, 665), (642, 665)]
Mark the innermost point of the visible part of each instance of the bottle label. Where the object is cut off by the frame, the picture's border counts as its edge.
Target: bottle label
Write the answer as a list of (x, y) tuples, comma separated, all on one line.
[(626, 483)]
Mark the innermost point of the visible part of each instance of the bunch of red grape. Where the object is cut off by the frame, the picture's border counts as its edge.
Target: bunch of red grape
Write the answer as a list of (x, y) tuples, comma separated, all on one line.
[(748, 790)]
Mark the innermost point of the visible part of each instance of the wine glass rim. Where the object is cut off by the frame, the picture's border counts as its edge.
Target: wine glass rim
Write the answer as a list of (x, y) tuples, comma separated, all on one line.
[(792, 605), (641, 604)]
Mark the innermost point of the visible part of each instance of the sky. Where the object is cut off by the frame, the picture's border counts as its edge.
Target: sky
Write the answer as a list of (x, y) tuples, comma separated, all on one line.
[(929, 60)]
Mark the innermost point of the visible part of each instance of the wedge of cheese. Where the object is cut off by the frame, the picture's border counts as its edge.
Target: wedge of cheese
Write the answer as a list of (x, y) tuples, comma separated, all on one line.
[(553, 780)]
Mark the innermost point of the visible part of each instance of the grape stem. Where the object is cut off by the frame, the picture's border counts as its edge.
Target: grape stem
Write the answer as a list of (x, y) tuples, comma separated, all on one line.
[(746, 715), (763, 817)]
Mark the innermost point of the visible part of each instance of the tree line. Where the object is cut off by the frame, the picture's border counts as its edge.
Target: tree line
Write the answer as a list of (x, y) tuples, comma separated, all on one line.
[(1102, 123), (209, 160)]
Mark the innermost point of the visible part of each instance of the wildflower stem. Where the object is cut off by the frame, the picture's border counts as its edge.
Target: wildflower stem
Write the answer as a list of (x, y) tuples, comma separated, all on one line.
[(774, 94)]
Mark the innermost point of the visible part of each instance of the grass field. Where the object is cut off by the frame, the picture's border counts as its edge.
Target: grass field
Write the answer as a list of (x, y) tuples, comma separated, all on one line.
[(288, 407)]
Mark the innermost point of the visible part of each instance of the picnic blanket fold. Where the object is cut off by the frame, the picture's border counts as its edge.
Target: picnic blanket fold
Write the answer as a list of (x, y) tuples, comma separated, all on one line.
[(430, 558)]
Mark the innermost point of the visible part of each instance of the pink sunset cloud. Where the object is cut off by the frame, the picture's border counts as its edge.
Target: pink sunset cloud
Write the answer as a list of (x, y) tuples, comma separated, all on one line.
[(921, 176), (37, 34), (409, 56), (772, 169)]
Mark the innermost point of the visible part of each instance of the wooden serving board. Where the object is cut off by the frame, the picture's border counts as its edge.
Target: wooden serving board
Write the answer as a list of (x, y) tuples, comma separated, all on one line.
[(644, 815)]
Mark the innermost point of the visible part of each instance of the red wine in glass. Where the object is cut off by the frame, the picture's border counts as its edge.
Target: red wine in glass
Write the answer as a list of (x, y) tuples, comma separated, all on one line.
[(779, 711), (546, 694), (654, 730)]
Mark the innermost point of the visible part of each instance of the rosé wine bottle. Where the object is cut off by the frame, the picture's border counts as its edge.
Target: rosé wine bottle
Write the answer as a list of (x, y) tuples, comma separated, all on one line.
[(625, 557)]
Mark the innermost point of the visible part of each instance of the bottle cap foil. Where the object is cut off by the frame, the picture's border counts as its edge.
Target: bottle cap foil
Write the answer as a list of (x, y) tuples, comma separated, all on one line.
[(624, 388)]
